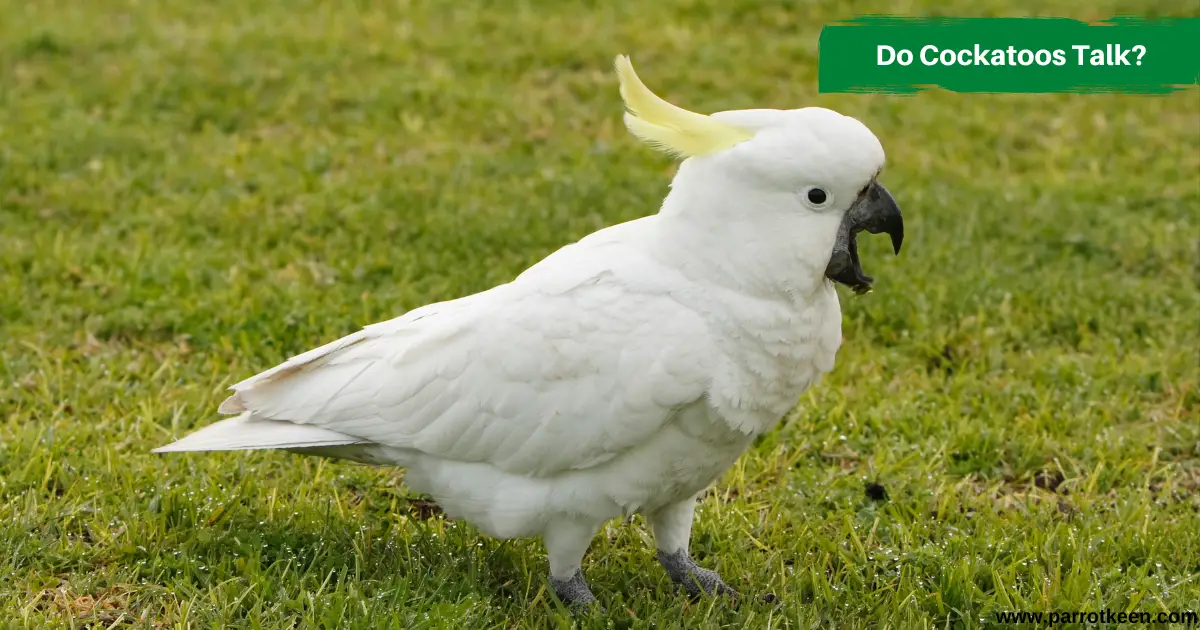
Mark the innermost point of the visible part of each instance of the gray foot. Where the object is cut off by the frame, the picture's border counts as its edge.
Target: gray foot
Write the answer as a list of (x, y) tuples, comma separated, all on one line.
[(574, 592), (695, 580)]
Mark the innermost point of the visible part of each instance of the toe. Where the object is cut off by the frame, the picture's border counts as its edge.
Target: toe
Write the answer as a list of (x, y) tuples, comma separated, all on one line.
[(706, 582), (691, 577), (583, 607), (574, 592)]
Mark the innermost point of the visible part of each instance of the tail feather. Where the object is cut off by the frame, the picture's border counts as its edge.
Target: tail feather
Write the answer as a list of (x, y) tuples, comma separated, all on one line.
[(246, 432)]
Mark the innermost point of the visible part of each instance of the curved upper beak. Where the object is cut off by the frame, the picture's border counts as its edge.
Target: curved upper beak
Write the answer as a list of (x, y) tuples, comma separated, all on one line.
[(874, 211)]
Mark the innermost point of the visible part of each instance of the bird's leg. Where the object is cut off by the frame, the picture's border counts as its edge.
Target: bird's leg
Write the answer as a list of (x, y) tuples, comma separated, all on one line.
[(566, 542), (672, 526)]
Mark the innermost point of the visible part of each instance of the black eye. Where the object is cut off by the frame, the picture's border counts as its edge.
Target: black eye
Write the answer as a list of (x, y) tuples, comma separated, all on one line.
[(817, 196)]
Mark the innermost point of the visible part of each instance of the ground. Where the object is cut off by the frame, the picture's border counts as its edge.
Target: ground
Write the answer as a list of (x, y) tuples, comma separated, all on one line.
[(191, 192)]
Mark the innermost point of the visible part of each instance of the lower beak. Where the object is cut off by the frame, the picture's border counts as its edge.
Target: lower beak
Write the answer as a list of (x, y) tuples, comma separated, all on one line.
[(874, 211)]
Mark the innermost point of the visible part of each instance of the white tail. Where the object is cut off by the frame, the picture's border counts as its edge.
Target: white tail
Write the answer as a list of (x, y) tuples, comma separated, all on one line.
[(246, 432)]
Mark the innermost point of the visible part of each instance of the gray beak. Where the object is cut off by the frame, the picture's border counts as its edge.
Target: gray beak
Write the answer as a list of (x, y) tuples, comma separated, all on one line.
[(874, 211)]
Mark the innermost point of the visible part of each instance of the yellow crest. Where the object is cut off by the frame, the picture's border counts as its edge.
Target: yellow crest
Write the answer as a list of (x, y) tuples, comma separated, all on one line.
[(668, 127)]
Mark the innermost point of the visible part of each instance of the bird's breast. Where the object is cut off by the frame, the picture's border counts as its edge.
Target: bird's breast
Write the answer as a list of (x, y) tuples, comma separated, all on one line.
[(774, 351), (679, 461)]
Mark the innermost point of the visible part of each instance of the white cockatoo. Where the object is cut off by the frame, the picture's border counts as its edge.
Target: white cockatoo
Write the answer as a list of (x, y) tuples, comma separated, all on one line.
[(622, 374)]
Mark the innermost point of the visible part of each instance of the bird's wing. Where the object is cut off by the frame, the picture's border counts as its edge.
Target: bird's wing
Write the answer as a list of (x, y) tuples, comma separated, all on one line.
[(540, 380)]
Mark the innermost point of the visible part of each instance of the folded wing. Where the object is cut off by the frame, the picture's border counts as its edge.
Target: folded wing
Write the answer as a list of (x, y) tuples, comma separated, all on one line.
[(534, 382)]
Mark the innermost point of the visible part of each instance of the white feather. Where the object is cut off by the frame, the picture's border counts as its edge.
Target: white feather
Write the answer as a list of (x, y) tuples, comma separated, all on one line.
[(246, 432), (623, 373)]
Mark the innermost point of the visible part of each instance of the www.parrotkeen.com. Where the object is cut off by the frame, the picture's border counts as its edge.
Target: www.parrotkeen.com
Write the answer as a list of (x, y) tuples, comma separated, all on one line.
[(1096, 617)]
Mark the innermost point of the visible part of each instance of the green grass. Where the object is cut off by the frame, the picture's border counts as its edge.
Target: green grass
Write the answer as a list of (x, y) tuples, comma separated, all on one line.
[(193, 191)]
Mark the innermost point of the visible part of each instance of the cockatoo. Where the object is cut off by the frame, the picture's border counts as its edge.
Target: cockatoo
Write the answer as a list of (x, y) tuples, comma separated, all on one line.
[(622, 374)]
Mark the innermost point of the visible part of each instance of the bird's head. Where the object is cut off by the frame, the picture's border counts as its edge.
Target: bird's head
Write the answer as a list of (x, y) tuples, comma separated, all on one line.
[(811, 170)]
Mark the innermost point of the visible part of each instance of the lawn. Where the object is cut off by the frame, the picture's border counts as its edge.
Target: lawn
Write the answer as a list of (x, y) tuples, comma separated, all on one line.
[(191, 192)]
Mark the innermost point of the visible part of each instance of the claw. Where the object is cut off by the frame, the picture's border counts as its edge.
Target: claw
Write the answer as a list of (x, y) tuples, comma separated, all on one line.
[(700, 582), (574, 592), (692, 577)]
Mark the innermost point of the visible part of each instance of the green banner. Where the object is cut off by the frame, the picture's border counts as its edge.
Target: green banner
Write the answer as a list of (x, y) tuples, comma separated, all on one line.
[(899, 55)]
